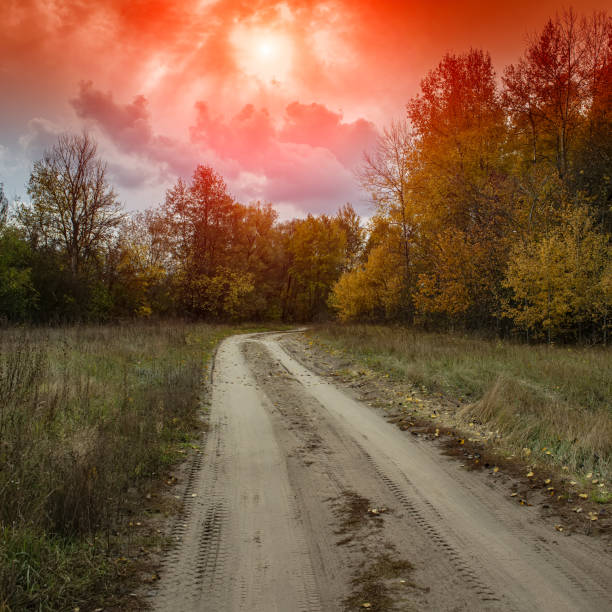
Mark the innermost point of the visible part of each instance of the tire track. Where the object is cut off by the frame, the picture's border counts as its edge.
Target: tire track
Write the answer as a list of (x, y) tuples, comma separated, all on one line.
[(240, 544), (493, 552), (462, 566), (345, 471)]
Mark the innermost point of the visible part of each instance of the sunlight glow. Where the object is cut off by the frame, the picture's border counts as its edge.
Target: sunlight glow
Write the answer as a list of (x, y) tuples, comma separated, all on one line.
[(263, 53)]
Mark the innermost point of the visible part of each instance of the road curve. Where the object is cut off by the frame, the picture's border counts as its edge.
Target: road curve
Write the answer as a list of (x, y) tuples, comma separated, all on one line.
[(280, 511)]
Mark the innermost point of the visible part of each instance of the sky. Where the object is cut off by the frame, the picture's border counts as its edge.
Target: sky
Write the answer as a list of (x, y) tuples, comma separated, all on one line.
[(281, 98)]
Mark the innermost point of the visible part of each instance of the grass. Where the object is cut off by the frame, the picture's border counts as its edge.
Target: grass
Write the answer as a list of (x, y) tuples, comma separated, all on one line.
[(537, 397), (89, 418)]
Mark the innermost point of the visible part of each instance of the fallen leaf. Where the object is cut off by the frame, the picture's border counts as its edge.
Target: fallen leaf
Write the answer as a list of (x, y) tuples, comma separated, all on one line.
[(593, 516), (513, 494), (530, 475), (496, 469), (578, 510), (595, 481), (583, 495), (461, 441), (558, 527), (366, 605), (589, 475), (547, 481), (572, 482)]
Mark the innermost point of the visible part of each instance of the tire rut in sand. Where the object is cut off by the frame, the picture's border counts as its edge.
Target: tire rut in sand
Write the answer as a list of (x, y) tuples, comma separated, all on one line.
[(503, 547), (197, 561), (463, 567), (337, 487)]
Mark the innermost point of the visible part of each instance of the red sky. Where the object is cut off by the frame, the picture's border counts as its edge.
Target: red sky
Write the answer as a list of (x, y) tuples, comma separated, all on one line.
[(280, 97)]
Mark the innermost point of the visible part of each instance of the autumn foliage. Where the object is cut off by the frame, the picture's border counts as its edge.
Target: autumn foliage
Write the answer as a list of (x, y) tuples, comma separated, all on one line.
[(494, 201), (491, 209)]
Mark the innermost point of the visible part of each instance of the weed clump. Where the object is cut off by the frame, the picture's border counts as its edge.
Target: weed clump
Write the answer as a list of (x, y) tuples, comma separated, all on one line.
[(88, 416)]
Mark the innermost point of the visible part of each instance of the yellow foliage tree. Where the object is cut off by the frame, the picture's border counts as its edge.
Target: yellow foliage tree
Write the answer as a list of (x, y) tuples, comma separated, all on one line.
[(560, 281), (317, 247), (373, 291)]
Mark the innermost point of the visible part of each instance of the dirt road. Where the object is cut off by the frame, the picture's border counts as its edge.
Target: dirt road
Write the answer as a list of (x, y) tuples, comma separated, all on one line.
[(305, 499)]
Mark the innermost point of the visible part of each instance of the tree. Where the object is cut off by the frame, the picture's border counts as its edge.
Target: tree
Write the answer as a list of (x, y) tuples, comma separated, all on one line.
[(386, 176), (548, 91), (73, 208), (317, 250), (372, 291), (136, 269), (18, 297), (350, 223), (3, 206), (462, 190), (559, 281), (202, 226)]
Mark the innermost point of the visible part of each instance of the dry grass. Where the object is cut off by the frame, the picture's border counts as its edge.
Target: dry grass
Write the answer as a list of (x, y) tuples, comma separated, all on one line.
[(557, 398), (87, 414)]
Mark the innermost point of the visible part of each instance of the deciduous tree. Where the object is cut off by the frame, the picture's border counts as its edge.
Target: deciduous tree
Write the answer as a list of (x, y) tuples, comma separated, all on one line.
[(73, 208)]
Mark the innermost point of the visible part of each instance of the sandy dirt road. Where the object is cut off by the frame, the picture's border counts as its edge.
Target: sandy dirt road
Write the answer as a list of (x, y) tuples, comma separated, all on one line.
[(305, 499)]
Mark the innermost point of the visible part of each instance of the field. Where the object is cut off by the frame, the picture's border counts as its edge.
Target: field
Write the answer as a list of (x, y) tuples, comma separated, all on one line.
[(92, 417), (89, 419), (553, 403)]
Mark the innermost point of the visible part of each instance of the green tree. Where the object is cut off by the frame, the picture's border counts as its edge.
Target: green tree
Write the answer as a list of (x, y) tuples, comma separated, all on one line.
[(18, 297)]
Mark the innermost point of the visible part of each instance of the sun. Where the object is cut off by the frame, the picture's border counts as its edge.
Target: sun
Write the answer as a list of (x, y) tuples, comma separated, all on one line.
[(265, 49), (265, 54)]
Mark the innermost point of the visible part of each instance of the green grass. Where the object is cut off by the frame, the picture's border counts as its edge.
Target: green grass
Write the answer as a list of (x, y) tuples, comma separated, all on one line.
[(558, 398), (89, 416)]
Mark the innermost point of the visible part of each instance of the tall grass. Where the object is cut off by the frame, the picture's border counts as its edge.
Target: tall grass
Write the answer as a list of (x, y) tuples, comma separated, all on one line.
[(558, 398), (86, 414)]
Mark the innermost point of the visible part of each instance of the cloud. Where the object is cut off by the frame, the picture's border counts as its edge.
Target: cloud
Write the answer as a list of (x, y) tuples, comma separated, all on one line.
[(307, 160), (316, 125), (40, 136), (129, 124), (129, 128)]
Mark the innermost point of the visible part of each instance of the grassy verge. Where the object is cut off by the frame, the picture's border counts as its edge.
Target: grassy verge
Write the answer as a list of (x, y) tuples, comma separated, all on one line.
[(553, 403), (89, 418)]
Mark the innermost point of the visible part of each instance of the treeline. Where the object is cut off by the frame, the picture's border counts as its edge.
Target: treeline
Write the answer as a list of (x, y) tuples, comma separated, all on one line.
[(492, 209), (493, 200), (71, 254)]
